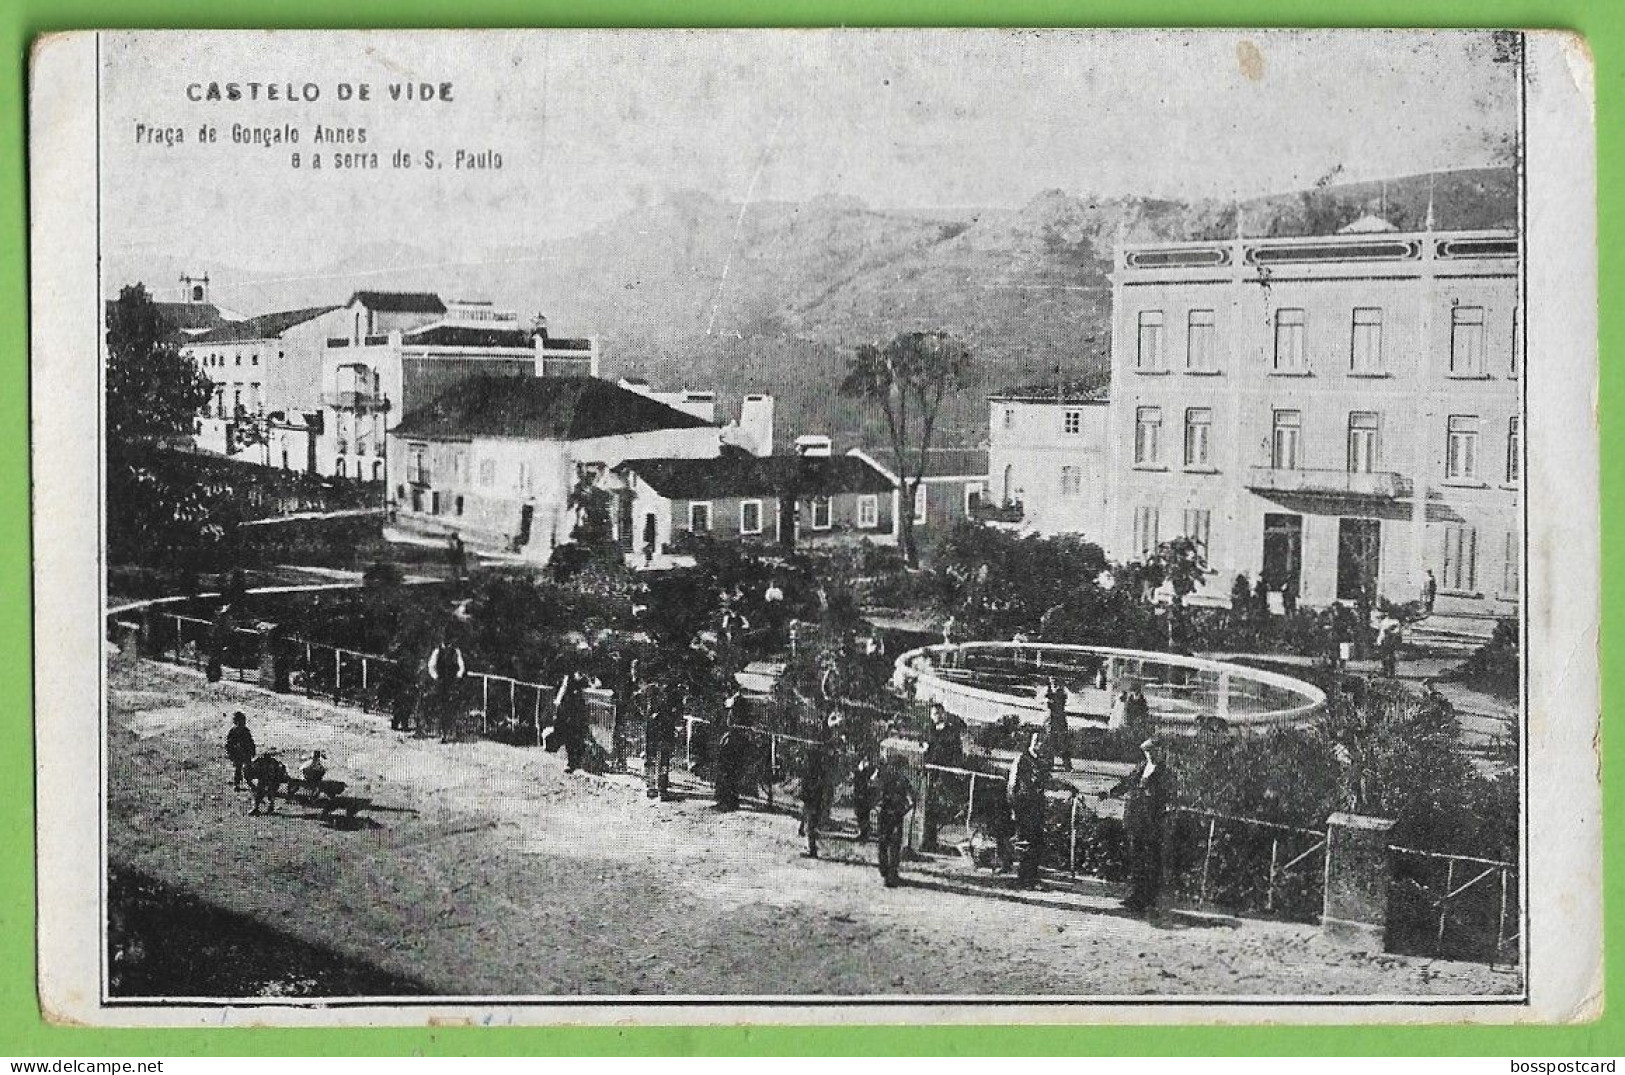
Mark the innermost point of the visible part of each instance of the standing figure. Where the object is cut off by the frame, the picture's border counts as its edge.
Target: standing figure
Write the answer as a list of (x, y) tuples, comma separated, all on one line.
[(456, 555), (943, 746), (896, 800), (1025, 791), (405, 699), (729, 761), (570, 719), (649, 539), (1060, 739), (1289, 598), (446, 669), (1261, 598), (220, 639), (814, 783), (1148, 790), (1389, 634), (266, 775), (863, 790), (240, 748), (1430, 591), (663, 709)]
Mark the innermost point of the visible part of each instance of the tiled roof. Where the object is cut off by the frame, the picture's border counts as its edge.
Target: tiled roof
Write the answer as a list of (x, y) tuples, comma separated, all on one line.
[(738, 473), (1095, 388), (399, 302), (541, 408), (939, 462), (467, 336), (263, 327)]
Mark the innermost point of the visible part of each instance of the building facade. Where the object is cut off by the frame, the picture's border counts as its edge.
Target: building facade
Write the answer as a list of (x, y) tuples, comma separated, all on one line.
[(495, 458), (1048, 459), (1337, 414)]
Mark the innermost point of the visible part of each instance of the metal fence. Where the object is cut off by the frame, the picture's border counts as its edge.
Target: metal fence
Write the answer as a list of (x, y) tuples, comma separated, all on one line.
[(1246, 865), (1453, 906)]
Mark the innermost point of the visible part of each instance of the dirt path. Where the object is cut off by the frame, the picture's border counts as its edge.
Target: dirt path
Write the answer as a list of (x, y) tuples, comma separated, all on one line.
[(483, 869)]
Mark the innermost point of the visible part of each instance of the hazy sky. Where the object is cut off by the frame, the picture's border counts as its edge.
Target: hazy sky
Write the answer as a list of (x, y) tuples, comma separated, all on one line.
[(590, 124)]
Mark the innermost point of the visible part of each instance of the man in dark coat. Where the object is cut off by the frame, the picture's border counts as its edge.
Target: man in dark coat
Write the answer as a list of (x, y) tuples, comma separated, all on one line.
[(662, 712), (570, 720), (446, 668), (1148, 791), (943, 746), (729, 759), (1025, 791), (896, 800), (814, 785), (1060, 739), (863, 790), (266, 775), (240, 749)]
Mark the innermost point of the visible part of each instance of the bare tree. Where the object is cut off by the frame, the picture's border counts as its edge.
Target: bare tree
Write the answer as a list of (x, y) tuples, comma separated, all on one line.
[(908, 379)]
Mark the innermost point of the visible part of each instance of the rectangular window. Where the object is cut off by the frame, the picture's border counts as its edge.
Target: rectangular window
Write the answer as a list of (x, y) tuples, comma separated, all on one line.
[(868, 511), (1150, 352), (1145, 532), (236, 399), (1009, 417), (750, 517), (1460, 567), (920, 503), (524, 477), (1199, 356), (1467, 341), (488, 472), (416, 472), (1198, 436), (1365, 343), (254, 359), (1511, 565), (822, 512), (699, 517), (974, 491), (1514, 450), (1072, 423), (1291, 352), (1199, 527), (1071, 481), (1461, 448), (1285, 446), (1362, 442), (1148, 436)]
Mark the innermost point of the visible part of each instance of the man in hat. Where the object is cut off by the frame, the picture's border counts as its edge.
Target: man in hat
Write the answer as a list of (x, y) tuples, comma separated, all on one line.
[(266, 775), (662, 712), (814, 786), (896, 800), (446, 668), (945, 747), (730, 755), (240, 749), (1147, 792), (863, 789), (1024, 789)]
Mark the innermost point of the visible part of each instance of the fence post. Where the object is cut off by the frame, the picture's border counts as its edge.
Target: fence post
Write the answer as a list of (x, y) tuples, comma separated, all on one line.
[(970, 806), (1269, 891), (513, 707), (485, 695), (1500, 921), (1444, 904), (1207, 858), (688, 741), (1072, 849), (338, 672), (772, 766), (310, 660), (1355, 905)]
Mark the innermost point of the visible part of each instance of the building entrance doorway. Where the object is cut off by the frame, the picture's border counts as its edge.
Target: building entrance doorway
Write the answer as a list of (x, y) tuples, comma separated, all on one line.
[(1283, 552), (1359, 558), (623, 520), (527, 514)]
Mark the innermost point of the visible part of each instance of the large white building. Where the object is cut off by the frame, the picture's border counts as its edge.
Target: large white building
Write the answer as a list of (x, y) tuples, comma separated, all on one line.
[(1334, 413)]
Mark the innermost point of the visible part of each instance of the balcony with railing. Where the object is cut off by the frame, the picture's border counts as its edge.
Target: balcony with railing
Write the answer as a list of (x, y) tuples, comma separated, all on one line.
[(356, 401), (1308, 481), (991, 512)]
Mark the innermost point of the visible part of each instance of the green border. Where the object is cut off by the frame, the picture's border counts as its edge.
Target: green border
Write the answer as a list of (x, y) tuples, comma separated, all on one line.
[(21, 1030)]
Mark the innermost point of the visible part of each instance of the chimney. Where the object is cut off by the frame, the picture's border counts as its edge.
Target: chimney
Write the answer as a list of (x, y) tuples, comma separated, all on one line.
[(756, 425), (814, 444)]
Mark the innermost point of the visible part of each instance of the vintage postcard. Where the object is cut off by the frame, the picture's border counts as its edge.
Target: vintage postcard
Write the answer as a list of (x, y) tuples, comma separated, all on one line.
[(815, 526)]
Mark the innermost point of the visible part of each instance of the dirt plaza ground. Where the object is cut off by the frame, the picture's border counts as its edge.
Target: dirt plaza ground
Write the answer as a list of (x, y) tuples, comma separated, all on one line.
[(483, 870)]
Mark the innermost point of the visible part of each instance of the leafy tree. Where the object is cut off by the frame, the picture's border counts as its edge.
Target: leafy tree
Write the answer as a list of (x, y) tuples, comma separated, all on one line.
[(153, 396), (909, 379)]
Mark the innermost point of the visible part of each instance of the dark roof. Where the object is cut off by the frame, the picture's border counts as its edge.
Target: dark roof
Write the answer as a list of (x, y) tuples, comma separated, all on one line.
[(399, 302), (263, 327), (541, 408), (738, 473), (180, 316), (466, 336), (939, 462), (1092, 389)]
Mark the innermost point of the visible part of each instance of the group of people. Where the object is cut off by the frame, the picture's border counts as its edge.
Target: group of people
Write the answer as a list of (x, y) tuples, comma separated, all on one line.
[(263, 771)]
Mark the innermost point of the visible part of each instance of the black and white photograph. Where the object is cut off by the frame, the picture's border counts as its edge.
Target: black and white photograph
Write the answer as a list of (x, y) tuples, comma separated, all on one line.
[(815, 525)]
